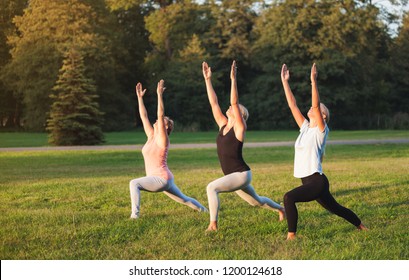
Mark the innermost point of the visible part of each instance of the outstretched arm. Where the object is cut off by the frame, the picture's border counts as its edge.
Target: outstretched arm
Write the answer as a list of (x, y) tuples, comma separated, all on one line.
[(219, 117), (162, 133), (239, 125), (285, 77), (315, 98), (140, 92)]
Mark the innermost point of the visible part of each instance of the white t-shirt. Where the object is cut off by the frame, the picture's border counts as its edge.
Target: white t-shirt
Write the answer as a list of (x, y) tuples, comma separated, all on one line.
[(309, 149)]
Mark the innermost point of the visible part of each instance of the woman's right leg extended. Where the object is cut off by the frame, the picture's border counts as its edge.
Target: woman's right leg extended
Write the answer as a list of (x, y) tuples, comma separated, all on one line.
[(176, 194), (249, 194), (328, 202), (150, 184)]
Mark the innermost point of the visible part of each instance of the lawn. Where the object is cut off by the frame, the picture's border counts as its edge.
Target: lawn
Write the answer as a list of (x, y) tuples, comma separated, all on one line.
[(76, 205), (21, 139)]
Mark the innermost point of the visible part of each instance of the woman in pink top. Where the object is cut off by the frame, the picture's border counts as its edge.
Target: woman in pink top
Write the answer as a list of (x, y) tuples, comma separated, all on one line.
[(155, 152)]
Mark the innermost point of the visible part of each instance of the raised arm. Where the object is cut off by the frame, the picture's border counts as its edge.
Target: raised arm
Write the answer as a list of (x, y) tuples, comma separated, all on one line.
[(315, 99), (240, 124), (162, 138), (219, 117), (140, 92), (285, 77)]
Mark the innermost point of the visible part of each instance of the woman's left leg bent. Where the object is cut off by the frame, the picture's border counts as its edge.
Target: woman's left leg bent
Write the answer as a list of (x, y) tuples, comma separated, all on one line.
[(228, 183), (312, 188)]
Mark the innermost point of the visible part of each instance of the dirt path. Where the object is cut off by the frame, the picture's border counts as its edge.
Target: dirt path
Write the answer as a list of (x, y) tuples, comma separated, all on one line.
[(203, 145)]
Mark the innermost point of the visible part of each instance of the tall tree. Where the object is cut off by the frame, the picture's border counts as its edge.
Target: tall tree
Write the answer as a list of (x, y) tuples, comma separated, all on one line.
[(345, 40), (10, 106), (233, 27), (44, 32), (170, 27), (129, 54), (75, 118), (118, 62), (185, 81), (399, 74)]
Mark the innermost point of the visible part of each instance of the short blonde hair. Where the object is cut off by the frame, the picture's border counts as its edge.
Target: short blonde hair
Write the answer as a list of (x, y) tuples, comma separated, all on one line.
[(325, 112), (170, 124), (244, 112)]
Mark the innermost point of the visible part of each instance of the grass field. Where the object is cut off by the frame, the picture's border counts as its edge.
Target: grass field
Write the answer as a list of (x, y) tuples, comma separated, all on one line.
[(75, 205), (10, 139)]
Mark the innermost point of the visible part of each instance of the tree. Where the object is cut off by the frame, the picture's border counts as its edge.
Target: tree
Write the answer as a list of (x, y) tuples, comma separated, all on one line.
[(347, 41), (399, 95), (74, 117), (10, 106), (187, 102), (170, 27), (176, 55), (130, 45), (118, 61), (233, 27), (45, 31)]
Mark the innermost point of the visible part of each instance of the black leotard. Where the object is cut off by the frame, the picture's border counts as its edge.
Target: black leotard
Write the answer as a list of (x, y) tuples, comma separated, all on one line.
[(229, 150)]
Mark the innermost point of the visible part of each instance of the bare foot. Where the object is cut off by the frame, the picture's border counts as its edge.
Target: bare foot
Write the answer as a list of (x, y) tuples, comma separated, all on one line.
[(362, 227), (281, 214), (134, 216), (212, 226), (291, 236)]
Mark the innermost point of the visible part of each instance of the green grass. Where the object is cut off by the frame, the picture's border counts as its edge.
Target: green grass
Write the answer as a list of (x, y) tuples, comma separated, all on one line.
[(75, 205), (19, 139)]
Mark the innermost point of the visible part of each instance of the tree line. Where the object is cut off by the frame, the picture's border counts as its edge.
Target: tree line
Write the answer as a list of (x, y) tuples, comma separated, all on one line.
[(108, 46)]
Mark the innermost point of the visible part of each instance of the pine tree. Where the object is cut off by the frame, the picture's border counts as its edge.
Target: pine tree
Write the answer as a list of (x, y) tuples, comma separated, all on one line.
[(75, 118)]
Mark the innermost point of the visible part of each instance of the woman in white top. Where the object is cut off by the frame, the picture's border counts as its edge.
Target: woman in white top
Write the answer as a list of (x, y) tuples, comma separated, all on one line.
[(309, 151), (155, 153)]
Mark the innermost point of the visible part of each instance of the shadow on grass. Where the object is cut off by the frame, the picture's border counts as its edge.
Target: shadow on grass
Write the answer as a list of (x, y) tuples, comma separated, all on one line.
[(367, 189)]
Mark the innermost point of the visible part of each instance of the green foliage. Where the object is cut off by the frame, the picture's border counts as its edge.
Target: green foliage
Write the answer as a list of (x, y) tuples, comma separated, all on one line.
[(400, 70), (233, 28), (349, 45), (125, 41), (10, 107), (123, 4), (186, 97), (37, 49), (74, 117), (171, 27)]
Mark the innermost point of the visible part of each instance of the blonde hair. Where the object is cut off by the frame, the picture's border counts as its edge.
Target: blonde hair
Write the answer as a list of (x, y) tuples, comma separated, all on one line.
[(170, 124), (325, 112), (244, 112)]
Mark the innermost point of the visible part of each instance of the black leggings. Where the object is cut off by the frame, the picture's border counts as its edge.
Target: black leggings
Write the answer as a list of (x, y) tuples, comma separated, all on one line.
[(315, 187)]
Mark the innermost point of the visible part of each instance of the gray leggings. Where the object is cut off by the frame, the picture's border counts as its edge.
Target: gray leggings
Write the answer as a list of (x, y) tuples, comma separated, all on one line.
[(238, 182), (158, 184)]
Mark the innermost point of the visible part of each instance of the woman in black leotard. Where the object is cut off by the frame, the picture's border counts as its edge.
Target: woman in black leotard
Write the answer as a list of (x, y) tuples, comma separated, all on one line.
[(230, 140), (309, 151)]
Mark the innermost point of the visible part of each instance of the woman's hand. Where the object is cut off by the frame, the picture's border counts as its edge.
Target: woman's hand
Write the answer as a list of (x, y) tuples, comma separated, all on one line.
[(207, 71), (314, 73), (139, 91), (285, 73), (161, 87), (233, 71)]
